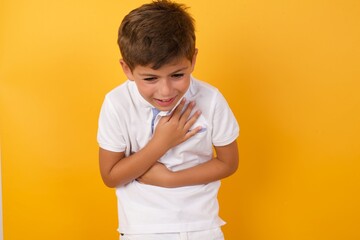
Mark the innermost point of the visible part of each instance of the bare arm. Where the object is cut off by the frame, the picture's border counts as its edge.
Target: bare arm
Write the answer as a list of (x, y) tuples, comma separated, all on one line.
[(116, 169), (222, 166)]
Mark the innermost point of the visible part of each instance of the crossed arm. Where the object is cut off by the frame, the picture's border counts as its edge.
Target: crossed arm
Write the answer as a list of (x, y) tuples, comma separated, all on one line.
[(116, 169), (223, 165)]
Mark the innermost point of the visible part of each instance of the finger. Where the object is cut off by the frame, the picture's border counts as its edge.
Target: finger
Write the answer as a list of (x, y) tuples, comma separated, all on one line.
[(164, 119), (185, 115), (191, 133), (192, 120), (177, 112)]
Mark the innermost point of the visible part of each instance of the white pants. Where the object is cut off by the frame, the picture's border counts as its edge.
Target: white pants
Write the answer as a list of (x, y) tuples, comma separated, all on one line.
[(212, 234)]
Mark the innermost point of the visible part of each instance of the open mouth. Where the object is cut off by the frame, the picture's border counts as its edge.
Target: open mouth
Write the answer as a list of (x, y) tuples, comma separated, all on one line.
[(165, 102)]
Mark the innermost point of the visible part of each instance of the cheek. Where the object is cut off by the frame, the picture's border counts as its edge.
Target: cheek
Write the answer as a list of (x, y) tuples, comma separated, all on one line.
[(183, 85), (146, 90)]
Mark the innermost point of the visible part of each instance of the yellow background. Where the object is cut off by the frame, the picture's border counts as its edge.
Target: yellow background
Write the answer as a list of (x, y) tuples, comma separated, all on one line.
[(290, 70)]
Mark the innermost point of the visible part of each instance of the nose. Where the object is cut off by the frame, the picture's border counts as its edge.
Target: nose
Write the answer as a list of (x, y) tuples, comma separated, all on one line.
[(165, 88)]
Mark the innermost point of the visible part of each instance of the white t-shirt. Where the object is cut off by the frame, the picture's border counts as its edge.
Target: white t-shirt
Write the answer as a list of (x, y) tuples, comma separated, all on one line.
[(125, 125)]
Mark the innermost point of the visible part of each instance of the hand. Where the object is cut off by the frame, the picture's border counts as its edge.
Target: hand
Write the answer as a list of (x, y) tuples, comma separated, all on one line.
[(156, 175), (174, 129)]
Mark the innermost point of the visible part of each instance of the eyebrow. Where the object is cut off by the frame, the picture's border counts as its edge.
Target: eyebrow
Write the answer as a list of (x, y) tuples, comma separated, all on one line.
[(153, 75)]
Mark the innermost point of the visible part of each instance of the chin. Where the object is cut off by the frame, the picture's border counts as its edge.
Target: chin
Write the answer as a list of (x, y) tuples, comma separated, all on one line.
[(165, 109)]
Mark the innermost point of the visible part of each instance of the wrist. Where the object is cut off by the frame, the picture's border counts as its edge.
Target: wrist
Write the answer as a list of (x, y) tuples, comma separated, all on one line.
[(157, 146)]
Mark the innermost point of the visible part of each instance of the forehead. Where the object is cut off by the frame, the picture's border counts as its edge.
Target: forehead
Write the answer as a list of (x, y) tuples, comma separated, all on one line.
[(170, 67)]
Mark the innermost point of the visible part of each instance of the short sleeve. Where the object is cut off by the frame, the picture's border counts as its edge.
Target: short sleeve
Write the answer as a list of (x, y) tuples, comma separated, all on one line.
[(225, 126), (110, 136)]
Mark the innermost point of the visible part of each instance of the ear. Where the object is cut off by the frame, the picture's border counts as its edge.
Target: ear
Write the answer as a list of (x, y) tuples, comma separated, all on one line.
[(127, 70), (193, 61)]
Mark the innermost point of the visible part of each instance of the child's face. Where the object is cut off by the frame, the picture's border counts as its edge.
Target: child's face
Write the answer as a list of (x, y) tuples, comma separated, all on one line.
[(165, 86)]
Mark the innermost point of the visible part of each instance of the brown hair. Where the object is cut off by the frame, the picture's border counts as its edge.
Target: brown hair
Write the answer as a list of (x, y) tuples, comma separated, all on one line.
[(156, 33)]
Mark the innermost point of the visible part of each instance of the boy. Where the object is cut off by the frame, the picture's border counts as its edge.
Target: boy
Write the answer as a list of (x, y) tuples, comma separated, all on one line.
[(158, 129)]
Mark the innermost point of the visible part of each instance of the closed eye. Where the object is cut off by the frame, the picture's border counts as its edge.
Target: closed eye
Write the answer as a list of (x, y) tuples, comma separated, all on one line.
[(150, 78), (177, 75)]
